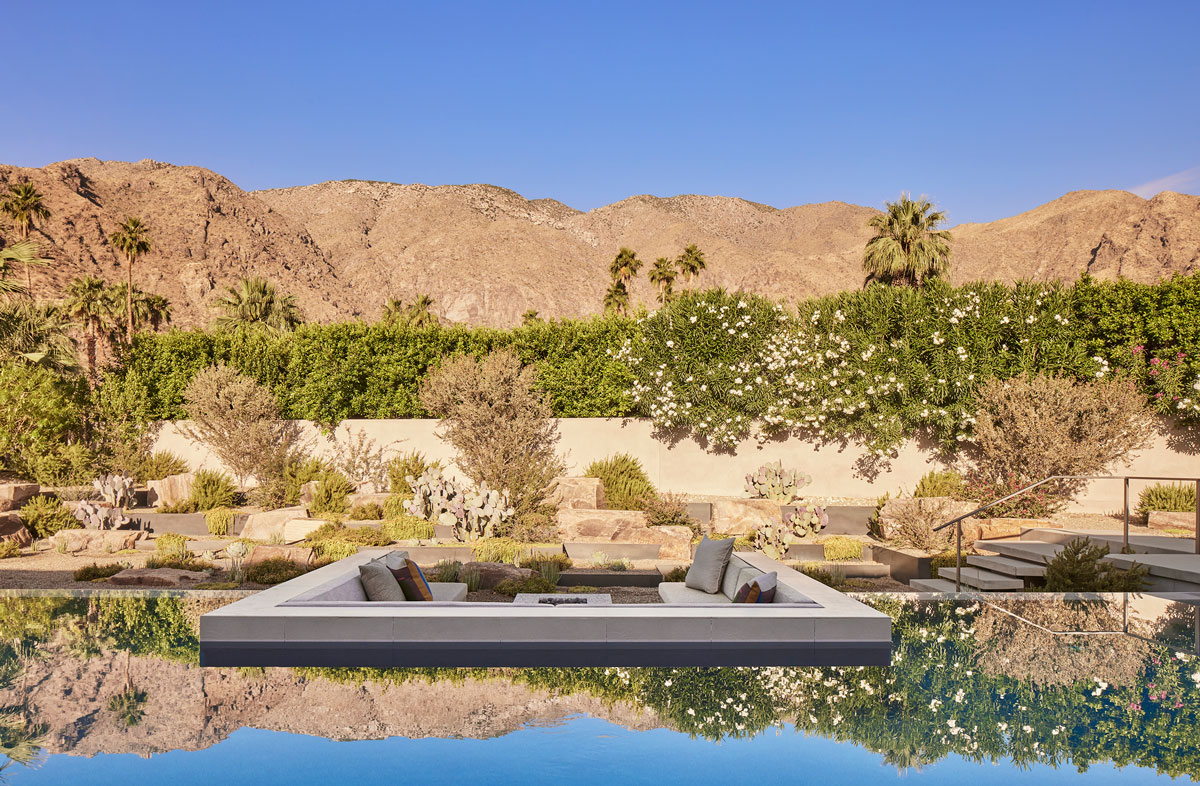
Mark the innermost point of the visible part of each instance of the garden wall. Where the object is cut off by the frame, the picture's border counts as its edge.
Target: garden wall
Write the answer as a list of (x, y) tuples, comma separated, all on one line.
[(687, 468)]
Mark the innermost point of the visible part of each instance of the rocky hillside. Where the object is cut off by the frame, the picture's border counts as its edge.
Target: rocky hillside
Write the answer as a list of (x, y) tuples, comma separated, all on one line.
[(486, 254)]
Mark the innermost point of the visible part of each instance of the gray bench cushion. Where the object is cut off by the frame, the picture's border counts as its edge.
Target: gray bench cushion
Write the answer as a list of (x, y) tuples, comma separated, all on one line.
[(679, 593), (448, 592)]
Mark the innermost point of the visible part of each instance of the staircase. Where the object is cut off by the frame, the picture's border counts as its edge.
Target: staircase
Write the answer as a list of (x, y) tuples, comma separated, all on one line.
[(1011, 565)]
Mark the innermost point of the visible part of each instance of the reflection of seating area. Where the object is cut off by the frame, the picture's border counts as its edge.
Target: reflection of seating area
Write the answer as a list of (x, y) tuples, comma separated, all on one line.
[(323, 618)]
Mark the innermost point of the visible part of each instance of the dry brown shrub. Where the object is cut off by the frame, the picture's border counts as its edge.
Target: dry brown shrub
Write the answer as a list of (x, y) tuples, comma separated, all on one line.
[(500, 425), (910, 523)]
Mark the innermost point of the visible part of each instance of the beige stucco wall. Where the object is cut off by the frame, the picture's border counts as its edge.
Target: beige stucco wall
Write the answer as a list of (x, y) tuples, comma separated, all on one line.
[(687, 468)]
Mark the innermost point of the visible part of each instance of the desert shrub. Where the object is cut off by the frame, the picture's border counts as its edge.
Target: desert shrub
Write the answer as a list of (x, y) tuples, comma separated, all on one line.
[(9, 549), (838, 549), (219, 521), (128, 706), (407, 465), (96, 571), (500, 425), (874, 526), (1032, 428), (368, 511), (472, 577), (1078, 568), (158, 465), (407, 527), (273, 571), (498, 550), (676, 574), (948, 559), (534, 527), (832, 578), (446, 571), (189, 562), (299, 472), (43, 516), (940, 484), (210, 490), (535, 584), (40, 414), (626, 486), (549, 570), (533, 559), (282, 475), (331, 494), (361, 459), (331, 541), (393, 506), (69, 464), (915, 520), (171, 544), (238, 419), (1040, 503), (216, 585), (1178, 497), (668, 510)]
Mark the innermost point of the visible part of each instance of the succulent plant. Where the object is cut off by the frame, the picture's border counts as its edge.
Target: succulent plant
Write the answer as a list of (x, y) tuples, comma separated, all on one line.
[(115, 489), (771, 481), (473, 513), (95, 516), (774, 539)]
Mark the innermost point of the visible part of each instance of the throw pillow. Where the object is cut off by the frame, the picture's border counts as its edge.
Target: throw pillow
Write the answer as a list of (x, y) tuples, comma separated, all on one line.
[(708, 565), (379, 583), (412, 582), (395, 559), (760, 589)]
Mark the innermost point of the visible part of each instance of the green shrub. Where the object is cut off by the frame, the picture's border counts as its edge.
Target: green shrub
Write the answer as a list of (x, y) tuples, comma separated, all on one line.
[(534, 527), (669, 510), (407, 527), (534, 559), (839, 549), (188, 562), (874, 527), (676, 574), (948, 559), (626, 486), (368, 511), (299, 472), (1177, 497), (273, 571), (446, 571), (331, 542), (1078, 568), (410, 464), (43, 516), (393, 506), (535, 584), (171, 544), (9, 549), (96, 571), (219, 521), (940, 484), (331, 493), (211, 489), (158, 465), (498, 550), (40, 415)]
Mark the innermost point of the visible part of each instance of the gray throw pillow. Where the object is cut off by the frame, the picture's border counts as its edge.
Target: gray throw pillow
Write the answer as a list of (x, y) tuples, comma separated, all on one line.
[(395, 559), (379, 583), (708, 566)]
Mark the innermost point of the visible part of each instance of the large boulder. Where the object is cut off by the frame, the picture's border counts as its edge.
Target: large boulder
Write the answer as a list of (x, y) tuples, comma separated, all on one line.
[(169, 491), (158, 577), (742, 516), (299, 528), (297, 554), (992, 529), (580, 525), (492, 573), (100, 541), (308, 491), (586, 493), (13, 529), (269, 524), (13, 495)]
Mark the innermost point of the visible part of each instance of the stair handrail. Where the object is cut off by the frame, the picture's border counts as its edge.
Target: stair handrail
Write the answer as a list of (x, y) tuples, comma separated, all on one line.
[(957, 522)]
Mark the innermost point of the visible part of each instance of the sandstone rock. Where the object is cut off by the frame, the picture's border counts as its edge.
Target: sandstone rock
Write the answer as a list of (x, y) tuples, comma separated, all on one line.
[(1168, 519), (991, 529), (364, 497), (158, 577), (492, 573), (742, 516), (170, 490), (307, 491), (74, 541), (933, 511), (13, 495), (297, 554), (298, 529), (12, 528), (579, 525), (269, 523), (587, 493)]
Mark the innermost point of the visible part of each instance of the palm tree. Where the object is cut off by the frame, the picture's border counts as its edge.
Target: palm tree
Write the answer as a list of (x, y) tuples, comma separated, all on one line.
[(94, 306), (908, 248), (625, 267), (530, 316), (131, 239), (24, 252), (254, 302), (691, 262), (149, 310), (662, 275), (24, 204), (617, 298), (417, 314), (393, 310), (38, 332)]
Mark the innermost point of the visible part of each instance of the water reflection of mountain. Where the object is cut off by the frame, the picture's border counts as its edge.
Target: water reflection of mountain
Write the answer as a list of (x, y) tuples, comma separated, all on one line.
[(985, 682)]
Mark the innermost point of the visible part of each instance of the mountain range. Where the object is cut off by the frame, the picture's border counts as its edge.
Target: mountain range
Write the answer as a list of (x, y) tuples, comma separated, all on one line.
[(486, 254)]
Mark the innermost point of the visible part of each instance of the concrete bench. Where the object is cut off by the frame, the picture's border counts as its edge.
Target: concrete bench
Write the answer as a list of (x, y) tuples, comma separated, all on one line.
[(738, 572)]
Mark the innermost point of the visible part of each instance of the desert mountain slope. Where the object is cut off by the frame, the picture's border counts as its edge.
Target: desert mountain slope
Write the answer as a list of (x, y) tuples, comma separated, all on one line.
[(486, 254)]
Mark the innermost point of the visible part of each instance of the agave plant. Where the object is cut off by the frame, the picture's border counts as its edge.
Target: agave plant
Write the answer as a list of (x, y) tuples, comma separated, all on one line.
[(772, 481)]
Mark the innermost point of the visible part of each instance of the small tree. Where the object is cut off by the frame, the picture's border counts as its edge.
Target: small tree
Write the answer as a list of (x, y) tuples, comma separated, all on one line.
[(499, 424), (1079, 567), (238, 419)]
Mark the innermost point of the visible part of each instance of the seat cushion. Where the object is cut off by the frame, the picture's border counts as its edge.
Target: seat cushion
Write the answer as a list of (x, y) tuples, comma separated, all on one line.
[(708, 565), (448, 591), (378, 582), (678, 593), (412, 582)]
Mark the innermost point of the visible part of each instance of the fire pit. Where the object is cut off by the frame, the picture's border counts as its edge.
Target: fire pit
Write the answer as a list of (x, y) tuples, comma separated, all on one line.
[(550, 599)]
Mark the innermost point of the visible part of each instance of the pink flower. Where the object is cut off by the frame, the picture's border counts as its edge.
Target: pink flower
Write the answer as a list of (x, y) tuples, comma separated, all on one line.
[(1154, 372), (1138, 349), (1154, 362), (1158, 395), (1180, 356), (1135, 706)]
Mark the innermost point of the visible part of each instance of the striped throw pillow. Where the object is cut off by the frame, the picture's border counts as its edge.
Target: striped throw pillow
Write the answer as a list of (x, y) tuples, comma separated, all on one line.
[(412, 581)]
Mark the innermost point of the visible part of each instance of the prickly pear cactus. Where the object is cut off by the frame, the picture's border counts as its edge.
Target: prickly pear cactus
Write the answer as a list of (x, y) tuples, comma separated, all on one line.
[(94, 516), (473, 513), (805, 520), (772, 481), (774, 539), (115, 489)]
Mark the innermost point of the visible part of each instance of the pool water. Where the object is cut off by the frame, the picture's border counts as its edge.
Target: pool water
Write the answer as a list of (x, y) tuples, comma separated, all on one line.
[(102, 690)]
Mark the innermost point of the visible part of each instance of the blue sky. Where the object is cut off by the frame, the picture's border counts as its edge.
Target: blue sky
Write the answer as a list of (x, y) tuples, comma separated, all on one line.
[(990, 109)]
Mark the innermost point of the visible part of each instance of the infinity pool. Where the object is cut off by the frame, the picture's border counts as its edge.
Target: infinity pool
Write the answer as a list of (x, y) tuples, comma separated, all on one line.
[(998, 689)]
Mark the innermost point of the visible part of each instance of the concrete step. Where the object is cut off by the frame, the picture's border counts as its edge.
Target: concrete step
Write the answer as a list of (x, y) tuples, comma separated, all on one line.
[(1034, 551), (932, 585), (983, 579), (1009, 566), (1139, 544)]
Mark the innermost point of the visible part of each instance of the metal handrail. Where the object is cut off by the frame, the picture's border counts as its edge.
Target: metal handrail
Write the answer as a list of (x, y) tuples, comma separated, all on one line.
[(957, 523)]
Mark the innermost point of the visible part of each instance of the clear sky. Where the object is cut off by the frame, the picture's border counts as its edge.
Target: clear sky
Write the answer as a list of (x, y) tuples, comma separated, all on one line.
[(989, 108)]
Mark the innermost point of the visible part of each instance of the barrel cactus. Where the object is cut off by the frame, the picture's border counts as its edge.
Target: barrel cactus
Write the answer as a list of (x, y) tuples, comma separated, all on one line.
[(772, 481)]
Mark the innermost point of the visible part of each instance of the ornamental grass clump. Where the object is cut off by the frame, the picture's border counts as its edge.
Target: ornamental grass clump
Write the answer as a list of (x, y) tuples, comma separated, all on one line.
[(219, 521), (331, 494), (626, 485), (1175, 497), (274, 571), (407, 527), (840, 549), (158, 465)]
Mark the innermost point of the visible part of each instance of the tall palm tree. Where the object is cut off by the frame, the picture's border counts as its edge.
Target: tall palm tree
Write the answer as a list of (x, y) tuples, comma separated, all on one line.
[(625, 267), (691, 262), (616, 299), (23, 204), (662, 275), (908, 248), (254, 302), (417, 314), (149, 310), (132, 239), (38, 332), (393, 310), (24, 252), (94, 306)]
